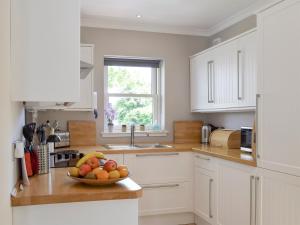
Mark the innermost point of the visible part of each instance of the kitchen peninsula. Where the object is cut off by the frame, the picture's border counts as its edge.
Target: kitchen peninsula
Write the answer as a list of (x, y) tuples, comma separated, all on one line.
[(73, 203)]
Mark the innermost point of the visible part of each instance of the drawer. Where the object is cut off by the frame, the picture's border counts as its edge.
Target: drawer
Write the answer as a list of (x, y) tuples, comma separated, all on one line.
[(205, 162), (166, 198), (163, 167)]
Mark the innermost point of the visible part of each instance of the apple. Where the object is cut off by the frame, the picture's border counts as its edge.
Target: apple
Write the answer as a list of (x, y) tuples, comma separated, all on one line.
[(93, 162), (84, 169), (110, 165)]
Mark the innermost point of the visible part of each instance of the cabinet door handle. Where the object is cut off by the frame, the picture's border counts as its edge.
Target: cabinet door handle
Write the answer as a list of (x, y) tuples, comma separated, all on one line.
[(161, 186), (256, 127), (256, 199), (157, 154), (210, 72), (199, 157), (240, 74), (210, 198), (251, 199)]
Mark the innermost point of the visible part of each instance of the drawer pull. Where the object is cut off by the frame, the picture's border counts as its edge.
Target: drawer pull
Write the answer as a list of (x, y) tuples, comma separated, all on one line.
[(210, 198), (161, 186), (199, 157), (157, 154)]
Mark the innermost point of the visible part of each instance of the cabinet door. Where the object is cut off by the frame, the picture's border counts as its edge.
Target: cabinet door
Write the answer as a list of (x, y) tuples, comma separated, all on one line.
[(86, 84), (246, 70), (45, 37), (278, 86), (201, 82), (235, 194), (225, 78), (205, 194), (279, 199)]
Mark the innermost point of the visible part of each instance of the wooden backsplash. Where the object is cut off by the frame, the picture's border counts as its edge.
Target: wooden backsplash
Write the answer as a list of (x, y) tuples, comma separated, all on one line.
[(187, 131)]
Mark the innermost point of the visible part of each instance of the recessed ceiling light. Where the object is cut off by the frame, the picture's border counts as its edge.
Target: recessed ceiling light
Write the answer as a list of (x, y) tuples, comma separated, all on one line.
[(138, 16)]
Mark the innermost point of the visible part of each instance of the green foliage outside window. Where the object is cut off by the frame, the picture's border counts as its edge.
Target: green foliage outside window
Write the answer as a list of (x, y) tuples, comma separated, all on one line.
[(131, 80)]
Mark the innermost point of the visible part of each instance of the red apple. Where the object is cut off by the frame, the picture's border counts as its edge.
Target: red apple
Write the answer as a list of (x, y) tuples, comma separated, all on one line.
[(84, 169), (110, 165), (93, 162)]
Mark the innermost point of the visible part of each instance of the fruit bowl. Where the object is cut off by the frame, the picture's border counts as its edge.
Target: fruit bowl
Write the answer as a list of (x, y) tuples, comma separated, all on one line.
[(96, 182)]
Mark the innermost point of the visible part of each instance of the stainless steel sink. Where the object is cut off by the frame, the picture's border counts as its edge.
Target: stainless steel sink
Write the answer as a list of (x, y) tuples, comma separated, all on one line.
[(137, 146), (157, 145)]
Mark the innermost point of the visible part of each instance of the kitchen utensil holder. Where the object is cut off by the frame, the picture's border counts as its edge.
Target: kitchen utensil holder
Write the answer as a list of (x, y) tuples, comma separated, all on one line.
[(44, 159)]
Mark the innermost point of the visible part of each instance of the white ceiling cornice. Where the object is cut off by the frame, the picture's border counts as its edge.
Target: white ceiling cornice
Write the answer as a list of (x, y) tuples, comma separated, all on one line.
[(113, 23), (252, 10), (101, 22)]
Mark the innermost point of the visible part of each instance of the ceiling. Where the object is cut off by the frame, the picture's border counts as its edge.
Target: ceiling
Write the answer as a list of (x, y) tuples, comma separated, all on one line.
[(196, 17)]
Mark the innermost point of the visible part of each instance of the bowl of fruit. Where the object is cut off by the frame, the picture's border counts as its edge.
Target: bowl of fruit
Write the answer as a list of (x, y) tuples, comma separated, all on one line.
[(95, 169)]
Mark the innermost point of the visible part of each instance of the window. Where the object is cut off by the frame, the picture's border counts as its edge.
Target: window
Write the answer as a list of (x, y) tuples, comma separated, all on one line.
[(133, 90)]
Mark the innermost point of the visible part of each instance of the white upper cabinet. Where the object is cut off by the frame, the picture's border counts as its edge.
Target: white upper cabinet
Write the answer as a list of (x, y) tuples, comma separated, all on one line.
[(246, 54), (223, 78), (45, 50), (86, 84), (278, 85)]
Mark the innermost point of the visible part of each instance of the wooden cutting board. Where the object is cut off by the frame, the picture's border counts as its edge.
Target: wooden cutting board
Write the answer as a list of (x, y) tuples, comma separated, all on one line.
[(187, 131), (82, 133)]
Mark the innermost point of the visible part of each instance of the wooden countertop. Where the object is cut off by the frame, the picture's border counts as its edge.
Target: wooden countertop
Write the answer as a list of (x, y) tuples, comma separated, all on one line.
[(234, 155), (56, 187)]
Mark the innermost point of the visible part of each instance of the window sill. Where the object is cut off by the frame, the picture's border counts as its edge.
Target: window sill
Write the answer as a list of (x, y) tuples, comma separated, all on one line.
[(161, 133)]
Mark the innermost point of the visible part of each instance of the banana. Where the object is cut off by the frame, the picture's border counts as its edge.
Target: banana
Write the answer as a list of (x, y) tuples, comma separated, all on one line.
[(81, 161)]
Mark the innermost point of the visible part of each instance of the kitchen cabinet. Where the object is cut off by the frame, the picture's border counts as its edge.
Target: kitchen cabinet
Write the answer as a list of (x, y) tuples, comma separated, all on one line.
[(223, 78), (236, 194), (280, 199), (108, 212), (278, 88), (86, 84), (45, 57), (167, 181), (205, 189)]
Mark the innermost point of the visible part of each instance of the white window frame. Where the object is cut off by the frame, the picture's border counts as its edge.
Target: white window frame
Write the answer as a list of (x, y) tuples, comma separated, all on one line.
[(156, 95)]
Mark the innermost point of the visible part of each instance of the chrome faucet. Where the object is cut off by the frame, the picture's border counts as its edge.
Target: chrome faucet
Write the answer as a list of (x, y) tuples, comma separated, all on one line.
[(132, 128)]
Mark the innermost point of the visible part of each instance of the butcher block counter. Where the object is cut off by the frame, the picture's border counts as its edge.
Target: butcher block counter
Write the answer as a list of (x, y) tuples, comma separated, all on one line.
[(234, 155), (57, 187)]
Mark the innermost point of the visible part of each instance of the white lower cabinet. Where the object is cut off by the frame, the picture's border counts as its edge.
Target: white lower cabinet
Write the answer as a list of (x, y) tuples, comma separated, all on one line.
[(167, 181), (236, 194), (279, 201), (205, 194)]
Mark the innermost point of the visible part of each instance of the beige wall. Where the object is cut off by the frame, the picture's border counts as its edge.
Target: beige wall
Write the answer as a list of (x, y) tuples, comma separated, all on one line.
[(173, 49), (234, 30), (11, 118)]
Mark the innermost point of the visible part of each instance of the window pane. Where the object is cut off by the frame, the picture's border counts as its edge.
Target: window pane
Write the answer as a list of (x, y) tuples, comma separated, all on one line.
[(132, 110), (129, 80)]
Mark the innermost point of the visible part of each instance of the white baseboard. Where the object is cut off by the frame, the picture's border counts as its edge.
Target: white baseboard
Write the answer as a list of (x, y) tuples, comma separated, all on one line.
[(168, 219)]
